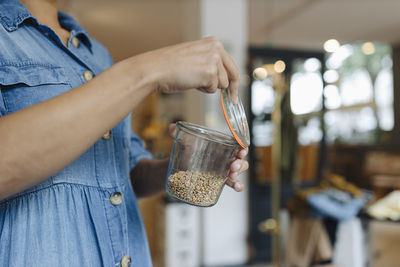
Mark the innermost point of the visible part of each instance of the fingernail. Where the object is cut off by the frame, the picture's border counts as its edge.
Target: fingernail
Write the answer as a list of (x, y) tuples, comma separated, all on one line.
[(238, 187)]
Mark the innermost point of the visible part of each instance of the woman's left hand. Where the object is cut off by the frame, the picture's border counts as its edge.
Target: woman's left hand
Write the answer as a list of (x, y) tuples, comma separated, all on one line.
[(238, 166)]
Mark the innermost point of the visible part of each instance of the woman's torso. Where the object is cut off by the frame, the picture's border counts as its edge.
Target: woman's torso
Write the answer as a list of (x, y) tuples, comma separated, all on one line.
[(85, 215)]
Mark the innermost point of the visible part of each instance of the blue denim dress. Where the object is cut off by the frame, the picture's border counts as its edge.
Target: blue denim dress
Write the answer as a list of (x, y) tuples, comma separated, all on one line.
[(87, 214)]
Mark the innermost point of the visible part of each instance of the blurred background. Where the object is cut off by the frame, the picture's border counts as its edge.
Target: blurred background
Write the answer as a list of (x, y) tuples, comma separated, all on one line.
[(320, 84)]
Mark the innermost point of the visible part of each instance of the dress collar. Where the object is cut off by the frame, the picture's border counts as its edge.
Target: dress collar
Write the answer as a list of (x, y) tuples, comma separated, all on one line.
[(12, 14)]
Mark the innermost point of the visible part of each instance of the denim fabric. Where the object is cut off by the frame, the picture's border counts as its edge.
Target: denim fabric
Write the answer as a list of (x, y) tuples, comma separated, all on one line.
[(67, 220), (335, 204)]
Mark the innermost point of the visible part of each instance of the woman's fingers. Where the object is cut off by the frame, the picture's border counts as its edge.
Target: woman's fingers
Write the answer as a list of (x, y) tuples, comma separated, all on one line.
[(237, 167), (223, 81), (235, 184), (245, 166), (242, 153), (233, 75), (228, 73), (172, 130), (221, 68), (203, 64), (215, 73)]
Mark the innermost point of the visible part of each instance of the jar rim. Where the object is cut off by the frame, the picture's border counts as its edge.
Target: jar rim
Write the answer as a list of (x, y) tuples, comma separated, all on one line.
[(206, 133)]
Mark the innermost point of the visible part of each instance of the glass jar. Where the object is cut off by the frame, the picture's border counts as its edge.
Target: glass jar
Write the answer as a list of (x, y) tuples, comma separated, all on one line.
[(199, 164)]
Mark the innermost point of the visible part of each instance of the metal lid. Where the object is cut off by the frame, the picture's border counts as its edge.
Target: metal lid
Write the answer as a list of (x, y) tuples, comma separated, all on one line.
[(236, 118)]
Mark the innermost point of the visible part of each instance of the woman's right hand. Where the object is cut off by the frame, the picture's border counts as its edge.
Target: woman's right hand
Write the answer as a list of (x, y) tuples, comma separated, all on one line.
[(203, 65)]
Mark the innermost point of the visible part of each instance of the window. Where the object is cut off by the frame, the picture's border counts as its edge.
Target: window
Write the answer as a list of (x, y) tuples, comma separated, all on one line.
[(358, 93)]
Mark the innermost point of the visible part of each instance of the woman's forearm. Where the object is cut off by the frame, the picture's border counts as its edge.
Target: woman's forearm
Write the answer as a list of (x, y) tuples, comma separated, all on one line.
[(39, 141), (149, 176)]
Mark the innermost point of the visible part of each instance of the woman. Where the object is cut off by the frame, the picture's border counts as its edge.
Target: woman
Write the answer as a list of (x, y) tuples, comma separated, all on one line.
[(70, 167)]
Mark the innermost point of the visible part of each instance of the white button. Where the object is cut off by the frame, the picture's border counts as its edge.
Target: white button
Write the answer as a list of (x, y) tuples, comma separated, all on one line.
[(107, 135), (75, 42), (88, 75), (116, 198), (126, 261)]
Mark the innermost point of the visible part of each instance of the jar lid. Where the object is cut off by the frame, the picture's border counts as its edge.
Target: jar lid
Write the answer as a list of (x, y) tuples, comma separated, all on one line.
[(236, 118)]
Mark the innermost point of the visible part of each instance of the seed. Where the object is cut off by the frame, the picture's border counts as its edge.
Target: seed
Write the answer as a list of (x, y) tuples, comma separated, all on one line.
[(199, 188)]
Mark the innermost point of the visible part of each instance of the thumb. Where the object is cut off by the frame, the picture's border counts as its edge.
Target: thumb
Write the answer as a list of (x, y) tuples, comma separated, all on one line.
[(172, 130)]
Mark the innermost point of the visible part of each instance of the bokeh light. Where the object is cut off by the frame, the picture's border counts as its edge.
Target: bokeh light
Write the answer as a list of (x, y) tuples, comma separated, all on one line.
[(260, 74), (368, 48), (331, 45), (279, 66)]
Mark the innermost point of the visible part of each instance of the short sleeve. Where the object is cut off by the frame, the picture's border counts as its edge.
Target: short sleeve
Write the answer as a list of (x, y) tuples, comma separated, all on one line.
[(137, 152)]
